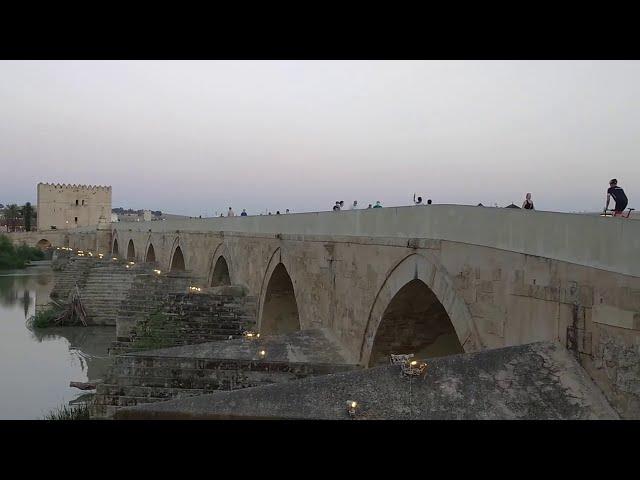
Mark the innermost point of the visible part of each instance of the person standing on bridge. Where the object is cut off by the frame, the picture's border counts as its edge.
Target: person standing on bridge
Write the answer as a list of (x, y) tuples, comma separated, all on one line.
[(417, 202), (377, 205), (618, 196), (231, 213), (528, 204), (336, 207), (244, 213), (354, 205)]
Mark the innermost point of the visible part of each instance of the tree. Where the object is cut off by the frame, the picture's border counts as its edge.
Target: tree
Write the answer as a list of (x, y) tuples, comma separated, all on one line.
[(12, 213), (27, 215)]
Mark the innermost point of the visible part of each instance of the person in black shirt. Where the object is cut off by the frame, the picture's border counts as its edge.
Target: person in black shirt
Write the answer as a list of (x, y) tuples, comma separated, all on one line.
[(618, 196), (528, 203)]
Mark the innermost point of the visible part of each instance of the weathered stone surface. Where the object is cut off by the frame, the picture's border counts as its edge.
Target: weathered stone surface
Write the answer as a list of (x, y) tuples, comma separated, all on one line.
[(178, 372), (534, 381)]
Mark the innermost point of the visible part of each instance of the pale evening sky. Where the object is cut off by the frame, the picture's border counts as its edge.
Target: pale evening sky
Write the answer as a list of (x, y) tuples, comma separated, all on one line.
[(193, 137)]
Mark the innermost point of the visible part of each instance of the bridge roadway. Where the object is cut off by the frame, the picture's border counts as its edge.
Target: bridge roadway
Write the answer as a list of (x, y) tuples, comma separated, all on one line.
[(435, 279)]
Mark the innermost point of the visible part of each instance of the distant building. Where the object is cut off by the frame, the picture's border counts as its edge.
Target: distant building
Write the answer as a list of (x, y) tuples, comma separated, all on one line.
[(512, 206), (146, 215), (62, 206)]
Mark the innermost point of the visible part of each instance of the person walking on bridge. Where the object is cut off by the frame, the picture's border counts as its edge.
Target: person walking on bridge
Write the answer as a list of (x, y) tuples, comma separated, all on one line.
[(618, 196)]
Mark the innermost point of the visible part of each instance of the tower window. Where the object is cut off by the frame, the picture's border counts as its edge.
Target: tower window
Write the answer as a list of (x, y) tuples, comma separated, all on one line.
[(76, 219), (83, 202), (76, 202)]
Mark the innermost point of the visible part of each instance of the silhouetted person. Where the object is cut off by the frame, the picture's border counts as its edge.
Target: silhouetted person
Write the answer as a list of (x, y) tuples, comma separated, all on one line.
[(429, 202), (377, 205), (528, 204), (277, 212), (231, 213), (618, 196), (336, 207), (418, 201), (286, 211), (244, 213), (369, 206)]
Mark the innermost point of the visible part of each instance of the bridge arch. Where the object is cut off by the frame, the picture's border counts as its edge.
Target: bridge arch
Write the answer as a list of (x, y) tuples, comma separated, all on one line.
[(278, 305), (417, 310), (131, 250), (150, 256), (115, 251), (220, 275), (220, 267), (43, 244), (177, 262)]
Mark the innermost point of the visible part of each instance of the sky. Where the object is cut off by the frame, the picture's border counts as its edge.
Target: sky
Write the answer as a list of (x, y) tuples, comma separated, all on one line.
[(194, 137)]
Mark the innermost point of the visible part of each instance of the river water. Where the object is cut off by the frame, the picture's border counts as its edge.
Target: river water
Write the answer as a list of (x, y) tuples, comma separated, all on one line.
[(37, 366)]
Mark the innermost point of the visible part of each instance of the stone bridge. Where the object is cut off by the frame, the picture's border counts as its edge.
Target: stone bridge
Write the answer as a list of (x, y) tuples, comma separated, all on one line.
[(434, 280)]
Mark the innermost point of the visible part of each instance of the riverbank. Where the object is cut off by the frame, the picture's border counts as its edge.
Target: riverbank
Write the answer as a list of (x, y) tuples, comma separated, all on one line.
[(37, 366)]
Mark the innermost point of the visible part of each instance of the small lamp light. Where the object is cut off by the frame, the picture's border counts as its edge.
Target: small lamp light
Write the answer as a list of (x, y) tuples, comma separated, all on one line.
[(352, 405)]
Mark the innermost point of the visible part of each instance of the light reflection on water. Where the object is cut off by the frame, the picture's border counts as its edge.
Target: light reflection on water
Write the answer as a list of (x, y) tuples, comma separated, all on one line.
[(37, 366)]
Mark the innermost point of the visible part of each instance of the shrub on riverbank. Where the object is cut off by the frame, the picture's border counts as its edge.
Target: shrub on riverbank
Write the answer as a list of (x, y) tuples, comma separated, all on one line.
[(158, 330), (17, 257), (66, 412), (45, 317)]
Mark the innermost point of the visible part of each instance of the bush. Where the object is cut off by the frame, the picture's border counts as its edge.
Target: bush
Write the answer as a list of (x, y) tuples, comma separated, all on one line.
[(12, 257), (65, 412), (44, 318)]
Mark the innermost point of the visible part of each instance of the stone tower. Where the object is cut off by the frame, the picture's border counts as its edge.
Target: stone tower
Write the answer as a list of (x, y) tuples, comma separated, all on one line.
[(62, 206)]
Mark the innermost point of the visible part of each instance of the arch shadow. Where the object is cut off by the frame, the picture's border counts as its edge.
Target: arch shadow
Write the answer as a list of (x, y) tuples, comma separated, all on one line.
[(280, 309), (278, 305), (150, 256), (220, 275), (177, 261), (415, 306), (43, 244), (131, 250)]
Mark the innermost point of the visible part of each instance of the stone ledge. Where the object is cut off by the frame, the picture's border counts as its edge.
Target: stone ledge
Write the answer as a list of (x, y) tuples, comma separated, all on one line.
[(615, 317)]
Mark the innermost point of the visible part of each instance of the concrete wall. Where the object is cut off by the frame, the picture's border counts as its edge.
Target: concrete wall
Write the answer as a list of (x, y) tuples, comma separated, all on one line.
[(60, 205)]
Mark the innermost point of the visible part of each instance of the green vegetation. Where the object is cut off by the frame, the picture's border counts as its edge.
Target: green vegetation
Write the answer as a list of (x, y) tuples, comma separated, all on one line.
[(27, 215), (16, 218), (157, 331), (44, 318), (17, 257), (65, 412)]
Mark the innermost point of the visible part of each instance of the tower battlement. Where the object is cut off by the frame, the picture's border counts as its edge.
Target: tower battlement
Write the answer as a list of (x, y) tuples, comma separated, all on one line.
[(69, 186)]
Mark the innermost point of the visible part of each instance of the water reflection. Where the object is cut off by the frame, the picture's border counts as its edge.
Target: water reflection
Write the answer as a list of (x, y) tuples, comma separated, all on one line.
[(36, 366)]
